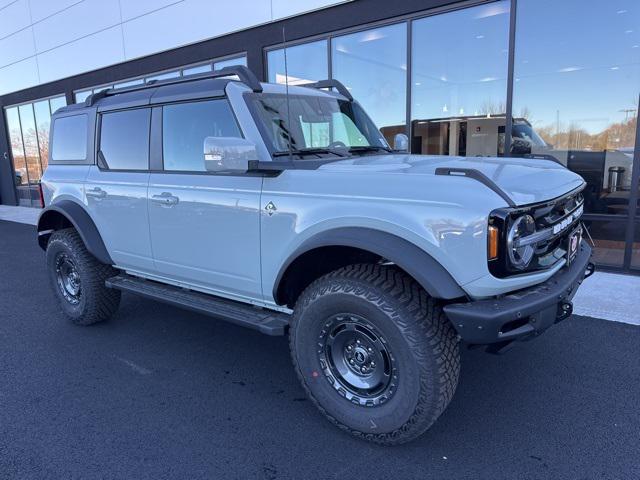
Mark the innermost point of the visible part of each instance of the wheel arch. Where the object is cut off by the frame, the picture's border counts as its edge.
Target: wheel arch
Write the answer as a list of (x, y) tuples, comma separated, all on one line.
[(65, 214), (339, 247)]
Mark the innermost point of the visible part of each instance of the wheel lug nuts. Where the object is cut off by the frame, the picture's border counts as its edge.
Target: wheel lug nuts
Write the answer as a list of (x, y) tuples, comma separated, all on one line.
[(369, 349), (358, 342), (352, 361), (372, 364)]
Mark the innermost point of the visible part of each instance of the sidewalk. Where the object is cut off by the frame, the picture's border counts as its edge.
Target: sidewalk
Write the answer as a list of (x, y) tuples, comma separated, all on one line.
[(608, 296), (19, 214)]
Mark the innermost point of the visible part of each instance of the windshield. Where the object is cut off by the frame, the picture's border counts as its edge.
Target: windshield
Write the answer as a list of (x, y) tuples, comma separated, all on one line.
[(313, 122)]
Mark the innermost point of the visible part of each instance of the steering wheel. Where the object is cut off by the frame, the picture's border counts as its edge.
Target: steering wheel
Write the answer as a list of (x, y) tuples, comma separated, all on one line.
[(337, 144)]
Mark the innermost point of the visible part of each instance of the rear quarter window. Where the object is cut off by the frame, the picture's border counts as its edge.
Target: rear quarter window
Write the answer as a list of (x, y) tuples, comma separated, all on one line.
[(69, 138)]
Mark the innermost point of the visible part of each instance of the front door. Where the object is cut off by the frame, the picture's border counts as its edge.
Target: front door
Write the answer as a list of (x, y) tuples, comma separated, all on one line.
[(205, 228), (116, 189)]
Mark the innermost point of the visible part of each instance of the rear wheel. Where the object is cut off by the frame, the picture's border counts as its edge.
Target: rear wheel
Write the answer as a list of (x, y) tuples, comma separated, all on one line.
[(374, 352), (77, 279)]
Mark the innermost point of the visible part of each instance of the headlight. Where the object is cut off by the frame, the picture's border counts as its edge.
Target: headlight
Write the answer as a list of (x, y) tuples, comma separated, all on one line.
[(520, 255)]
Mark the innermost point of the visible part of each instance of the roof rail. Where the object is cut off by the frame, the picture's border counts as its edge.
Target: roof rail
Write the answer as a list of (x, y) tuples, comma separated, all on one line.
[(246, 76), (331, 83)]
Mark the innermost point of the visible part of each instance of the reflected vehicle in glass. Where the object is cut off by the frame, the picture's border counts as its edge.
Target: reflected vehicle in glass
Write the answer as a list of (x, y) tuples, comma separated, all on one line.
[(284, 209)]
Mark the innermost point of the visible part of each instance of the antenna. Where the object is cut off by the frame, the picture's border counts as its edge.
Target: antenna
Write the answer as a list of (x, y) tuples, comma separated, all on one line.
[(286, 92)]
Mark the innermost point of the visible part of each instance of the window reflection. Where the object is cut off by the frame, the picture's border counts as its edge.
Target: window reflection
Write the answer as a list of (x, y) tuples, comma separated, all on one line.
[(28, 126), (30, 142), (306, 63), (197, 69), (43, 123), (232, 61), (576, 85), (373, 66), (609, 240), (17, 151), (56, 103), (83, 95), (163, 76), (129, 83), (459, 81)]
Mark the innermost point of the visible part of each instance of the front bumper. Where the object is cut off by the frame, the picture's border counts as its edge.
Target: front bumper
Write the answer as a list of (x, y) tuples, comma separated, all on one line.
[(523, 314)]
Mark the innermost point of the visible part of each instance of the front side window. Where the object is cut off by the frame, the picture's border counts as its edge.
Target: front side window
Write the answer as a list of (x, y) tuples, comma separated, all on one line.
[(186, 125), (313, 121), (124, 139), (70, 138)]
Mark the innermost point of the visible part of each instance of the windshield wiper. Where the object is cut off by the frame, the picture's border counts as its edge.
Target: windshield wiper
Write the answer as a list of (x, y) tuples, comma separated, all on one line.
[(312, 151), (369, 148)]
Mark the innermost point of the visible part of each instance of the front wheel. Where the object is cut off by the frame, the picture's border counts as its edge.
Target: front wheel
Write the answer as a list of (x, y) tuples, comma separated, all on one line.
[(374, 352), (77, 279)]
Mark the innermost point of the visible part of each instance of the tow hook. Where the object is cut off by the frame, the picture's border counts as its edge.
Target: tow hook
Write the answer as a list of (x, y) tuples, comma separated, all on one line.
[(565, 309)]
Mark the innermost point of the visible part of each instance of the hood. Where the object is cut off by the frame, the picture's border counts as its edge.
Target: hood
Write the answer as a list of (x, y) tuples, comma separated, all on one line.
[(524, 180)]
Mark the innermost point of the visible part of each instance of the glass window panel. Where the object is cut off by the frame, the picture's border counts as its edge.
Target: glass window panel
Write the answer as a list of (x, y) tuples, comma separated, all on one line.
[(57, 102), (30, 142), (43, 121), (163, 76), (197, 69), (306, 63), (82, 96), (17, 149), (459, 90), (124, 139), (186, 125), (232, 61), (70, 138), (576, 85), (373, 66), (129, 83), (609, 240)]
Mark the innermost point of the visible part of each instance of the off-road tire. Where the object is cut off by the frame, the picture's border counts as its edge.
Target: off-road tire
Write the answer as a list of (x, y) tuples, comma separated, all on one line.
[(95, 302), (421, 339)]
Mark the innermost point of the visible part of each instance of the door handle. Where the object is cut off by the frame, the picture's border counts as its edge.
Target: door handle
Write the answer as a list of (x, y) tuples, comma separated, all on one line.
[(165, 199), (96, 192)]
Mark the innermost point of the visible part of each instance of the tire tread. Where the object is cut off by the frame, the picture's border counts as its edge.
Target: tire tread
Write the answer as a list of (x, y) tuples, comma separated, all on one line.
[(429, 333)]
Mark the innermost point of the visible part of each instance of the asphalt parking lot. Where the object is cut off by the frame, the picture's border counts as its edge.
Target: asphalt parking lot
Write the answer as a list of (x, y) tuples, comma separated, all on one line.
[(162, 393)]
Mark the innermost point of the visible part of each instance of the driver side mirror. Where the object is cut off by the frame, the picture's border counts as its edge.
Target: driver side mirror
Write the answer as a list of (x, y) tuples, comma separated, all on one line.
[(228, 154), (401, 142)]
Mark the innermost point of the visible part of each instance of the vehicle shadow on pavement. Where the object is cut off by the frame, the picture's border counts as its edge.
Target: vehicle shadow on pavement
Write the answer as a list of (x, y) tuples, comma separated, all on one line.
[(159, 393)]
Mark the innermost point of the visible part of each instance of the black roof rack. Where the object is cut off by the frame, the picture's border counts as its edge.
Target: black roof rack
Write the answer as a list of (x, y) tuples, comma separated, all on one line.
[(331, 83), (246, 76)]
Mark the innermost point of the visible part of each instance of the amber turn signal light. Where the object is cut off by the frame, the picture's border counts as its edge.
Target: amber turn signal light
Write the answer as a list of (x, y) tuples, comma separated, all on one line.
[(492, 243)]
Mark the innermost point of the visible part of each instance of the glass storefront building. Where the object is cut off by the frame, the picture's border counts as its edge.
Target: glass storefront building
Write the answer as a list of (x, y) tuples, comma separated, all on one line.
[(555, 79)]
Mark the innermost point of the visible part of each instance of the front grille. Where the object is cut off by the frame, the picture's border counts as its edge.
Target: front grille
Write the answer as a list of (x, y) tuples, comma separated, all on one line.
[(555, 220)]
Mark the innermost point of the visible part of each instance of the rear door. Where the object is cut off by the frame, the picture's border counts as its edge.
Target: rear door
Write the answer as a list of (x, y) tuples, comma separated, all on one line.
[(116, 188), (205, 227)]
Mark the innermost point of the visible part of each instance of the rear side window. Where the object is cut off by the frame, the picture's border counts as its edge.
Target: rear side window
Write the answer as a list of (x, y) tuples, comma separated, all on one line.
[(69, 138), (124, 139), (186, 125)]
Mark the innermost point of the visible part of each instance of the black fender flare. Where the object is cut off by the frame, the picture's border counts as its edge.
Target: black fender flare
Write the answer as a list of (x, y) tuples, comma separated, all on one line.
[(427, 271), (81, 221)]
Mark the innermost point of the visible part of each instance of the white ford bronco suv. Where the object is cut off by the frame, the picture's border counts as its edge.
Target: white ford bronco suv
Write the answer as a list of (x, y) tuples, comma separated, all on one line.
[(284, 209)]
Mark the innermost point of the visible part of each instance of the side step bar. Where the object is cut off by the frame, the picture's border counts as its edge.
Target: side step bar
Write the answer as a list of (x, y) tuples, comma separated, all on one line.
[(265, 321)]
